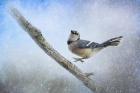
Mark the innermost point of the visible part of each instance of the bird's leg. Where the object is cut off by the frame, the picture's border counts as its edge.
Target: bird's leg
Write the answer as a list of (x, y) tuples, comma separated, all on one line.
[(79, 59), (89, 74)]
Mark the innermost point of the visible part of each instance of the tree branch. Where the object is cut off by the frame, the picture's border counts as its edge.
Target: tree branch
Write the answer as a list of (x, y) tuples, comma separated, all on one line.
[(40, 40)]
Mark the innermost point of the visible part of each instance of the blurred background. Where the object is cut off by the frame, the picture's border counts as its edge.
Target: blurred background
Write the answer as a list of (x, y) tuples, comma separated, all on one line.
[(25, 68)]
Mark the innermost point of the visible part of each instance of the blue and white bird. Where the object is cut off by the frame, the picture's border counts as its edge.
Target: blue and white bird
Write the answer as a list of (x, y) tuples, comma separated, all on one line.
[(86, 49)]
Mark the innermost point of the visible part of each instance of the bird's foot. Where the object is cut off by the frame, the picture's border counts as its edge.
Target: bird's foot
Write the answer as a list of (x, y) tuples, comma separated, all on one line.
[(78, 59), (89, 74)]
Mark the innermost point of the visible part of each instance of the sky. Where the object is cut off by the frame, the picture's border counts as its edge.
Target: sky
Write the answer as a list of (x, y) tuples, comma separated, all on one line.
[(95, 20)]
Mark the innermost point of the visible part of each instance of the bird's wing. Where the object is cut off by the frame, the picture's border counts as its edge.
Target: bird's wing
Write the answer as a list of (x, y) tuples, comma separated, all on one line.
[(86, 44)]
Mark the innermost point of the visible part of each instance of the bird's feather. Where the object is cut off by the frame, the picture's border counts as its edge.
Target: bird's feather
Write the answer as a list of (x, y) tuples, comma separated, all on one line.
[(86, 44)]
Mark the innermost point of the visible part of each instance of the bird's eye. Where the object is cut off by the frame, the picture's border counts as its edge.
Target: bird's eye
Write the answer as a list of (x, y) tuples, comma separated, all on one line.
[(74, 32)]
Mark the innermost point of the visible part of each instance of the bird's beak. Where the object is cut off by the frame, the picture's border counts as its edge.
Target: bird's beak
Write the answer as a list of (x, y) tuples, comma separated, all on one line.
[(72, 31)]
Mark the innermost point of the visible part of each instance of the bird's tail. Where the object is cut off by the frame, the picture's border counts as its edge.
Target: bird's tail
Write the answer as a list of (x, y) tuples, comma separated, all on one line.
[(112, 42)]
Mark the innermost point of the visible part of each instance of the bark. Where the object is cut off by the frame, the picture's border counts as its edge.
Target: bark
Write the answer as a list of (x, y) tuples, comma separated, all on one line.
[(40, 40)]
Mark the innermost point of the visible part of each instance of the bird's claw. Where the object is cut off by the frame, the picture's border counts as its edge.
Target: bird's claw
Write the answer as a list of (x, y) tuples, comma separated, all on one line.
[(78, 59), (89, 74)]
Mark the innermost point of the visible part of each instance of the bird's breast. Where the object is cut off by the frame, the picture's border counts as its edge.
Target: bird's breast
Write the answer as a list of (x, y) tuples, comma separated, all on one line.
[(82, 52)]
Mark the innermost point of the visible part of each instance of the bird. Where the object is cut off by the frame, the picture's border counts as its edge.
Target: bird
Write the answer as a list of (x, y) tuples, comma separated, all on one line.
[(85, 48)]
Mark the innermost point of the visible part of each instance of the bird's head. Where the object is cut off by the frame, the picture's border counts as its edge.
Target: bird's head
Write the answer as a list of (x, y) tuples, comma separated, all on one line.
[(74, 35)]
